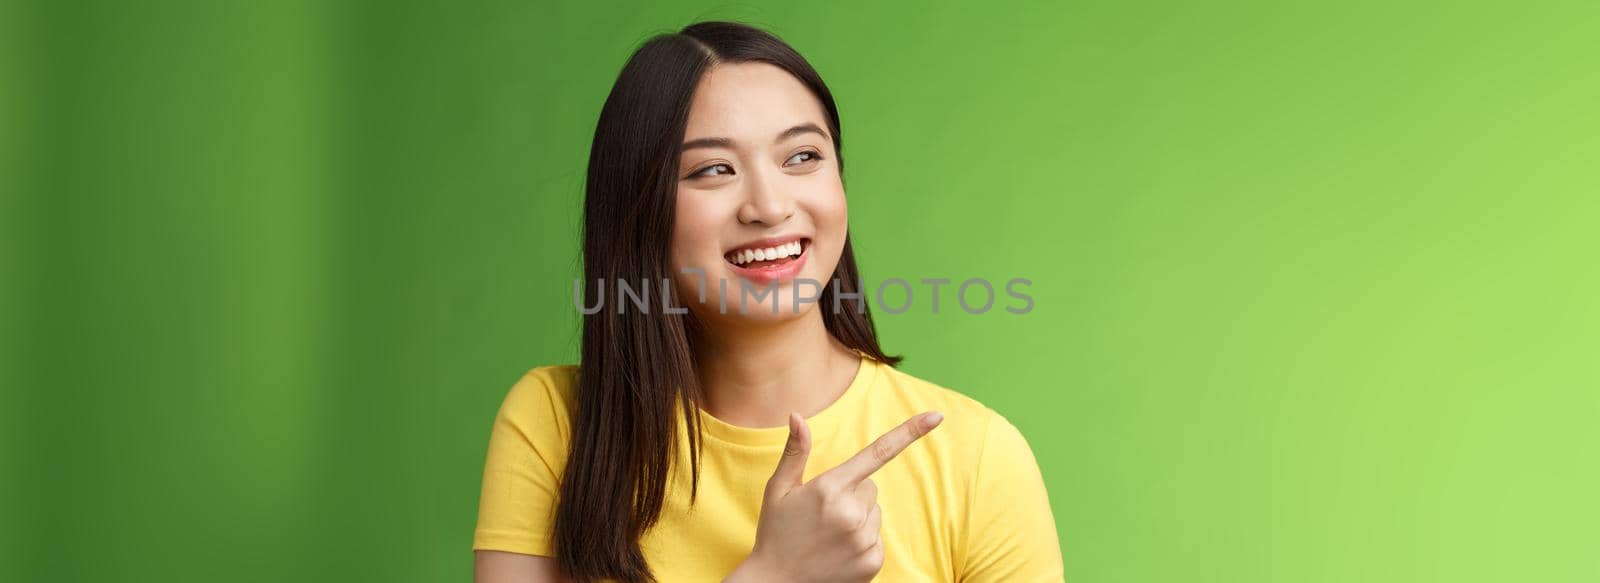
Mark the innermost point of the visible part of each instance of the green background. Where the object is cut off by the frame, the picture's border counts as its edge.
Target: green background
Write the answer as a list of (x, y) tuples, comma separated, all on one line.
[(1315, 283)]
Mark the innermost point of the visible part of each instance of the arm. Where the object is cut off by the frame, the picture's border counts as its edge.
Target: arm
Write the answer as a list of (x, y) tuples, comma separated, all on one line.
[(504, 567)]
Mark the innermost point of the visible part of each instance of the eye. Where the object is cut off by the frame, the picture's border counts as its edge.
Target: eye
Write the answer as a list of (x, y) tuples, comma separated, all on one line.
[(811, 157), (711, 171)]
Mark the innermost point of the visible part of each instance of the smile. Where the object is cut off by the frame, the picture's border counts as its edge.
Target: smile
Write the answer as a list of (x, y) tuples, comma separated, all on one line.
[(766, 256), (769, 259)]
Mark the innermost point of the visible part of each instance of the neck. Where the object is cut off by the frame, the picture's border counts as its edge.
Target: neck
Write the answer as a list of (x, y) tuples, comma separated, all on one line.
[(754, 375)]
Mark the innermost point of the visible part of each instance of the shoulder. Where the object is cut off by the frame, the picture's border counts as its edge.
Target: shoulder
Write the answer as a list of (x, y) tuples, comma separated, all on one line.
[(973, 432), (545, 383), (990, 458), (968, 423), (540, 404), (548, 381)]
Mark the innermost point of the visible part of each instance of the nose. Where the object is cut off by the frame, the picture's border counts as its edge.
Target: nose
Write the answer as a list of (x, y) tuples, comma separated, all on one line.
[(766, 200)]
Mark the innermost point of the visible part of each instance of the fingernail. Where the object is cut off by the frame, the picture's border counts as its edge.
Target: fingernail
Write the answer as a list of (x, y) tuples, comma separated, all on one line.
[(932, 419)]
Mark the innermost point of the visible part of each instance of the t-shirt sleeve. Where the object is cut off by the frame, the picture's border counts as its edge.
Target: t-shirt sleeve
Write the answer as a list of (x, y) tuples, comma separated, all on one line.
[(522, 471), (1011, 533)]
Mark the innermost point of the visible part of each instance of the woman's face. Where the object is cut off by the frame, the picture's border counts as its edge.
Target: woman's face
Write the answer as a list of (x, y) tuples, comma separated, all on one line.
[(760, 202)]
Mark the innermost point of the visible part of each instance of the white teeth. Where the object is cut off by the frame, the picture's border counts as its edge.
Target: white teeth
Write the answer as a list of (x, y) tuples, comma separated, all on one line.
[(789, 249)]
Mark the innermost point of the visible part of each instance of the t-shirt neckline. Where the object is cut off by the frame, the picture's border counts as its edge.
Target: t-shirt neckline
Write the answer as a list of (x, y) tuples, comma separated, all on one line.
[(822, 424)]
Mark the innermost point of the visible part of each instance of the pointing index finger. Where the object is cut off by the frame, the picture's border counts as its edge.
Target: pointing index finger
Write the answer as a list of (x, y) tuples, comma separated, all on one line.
[(885, 448)]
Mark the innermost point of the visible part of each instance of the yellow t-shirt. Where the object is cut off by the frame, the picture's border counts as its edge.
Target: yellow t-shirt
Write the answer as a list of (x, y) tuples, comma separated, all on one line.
[(964, 503)]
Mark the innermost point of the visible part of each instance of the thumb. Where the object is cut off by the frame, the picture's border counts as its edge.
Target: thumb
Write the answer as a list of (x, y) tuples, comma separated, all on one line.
[(791, 469)]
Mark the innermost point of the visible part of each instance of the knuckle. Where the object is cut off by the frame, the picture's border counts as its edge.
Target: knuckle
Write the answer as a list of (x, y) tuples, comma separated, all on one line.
[(826, 490), (865, 539), (824, 498), (882, 451), (845, 517)]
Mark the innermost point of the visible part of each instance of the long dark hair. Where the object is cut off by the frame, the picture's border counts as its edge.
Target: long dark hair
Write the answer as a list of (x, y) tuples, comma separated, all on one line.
[(637, 365)]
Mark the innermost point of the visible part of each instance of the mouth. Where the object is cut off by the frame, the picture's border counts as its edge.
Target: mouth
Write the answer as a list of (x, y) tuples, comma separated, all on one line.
[(769, 259), (767, 255)]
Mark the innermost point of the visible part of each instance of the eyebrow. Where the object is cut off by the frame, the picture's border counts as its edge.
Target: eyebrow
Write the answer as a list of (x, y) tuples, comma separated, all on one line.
[(805, 128)]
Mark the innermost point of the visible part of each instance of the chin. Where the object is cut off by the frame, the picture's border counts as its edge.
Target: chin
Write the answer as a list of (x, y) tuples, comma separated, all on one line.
[(725, 305), (763, 312)]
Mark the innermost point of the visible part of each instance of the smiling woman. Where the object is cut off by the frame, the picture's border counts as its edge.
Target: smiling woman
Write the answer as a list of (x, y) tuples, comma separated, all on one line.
[(772, 444)]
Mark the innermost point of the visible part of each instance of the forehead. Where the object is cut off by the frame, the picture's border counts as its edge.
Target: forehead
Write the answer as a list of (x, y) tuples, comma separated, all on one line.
[(750, 103)]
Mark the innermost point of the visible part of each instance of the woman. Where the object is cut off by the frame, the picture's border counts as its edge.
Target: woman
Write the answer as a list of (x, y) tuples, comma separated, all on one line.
[(723, 431)]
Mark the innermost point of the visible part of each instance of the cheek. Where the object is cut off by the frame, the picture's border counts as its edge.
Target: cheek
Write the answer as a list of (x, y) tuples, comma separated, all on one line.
[(827, 204), (828, 212), (830, 218), (694, 231), (831, 214)]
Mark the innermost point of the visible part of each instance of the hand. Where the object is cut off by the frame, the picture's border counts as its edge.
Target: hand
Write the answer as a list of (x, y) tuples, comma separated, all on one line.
[(826, 529)]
